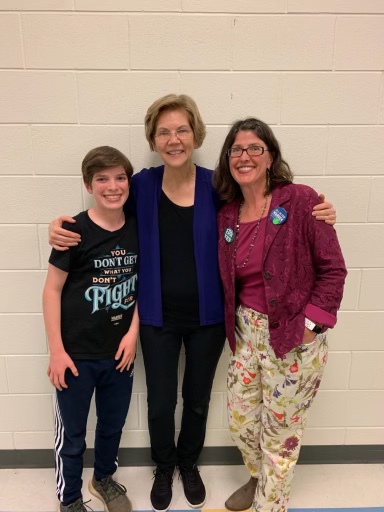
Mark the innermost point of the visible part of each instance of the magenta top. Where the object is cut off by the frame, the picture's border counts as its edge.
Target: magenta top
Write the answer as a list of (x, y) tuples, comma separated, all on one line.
[(249, 279), (302, 266)]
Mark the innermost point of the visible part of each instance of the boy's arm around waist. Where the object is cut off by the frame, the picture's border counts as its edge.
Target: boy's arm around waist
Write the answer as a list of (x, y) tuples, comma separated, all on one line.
[(127, 346)]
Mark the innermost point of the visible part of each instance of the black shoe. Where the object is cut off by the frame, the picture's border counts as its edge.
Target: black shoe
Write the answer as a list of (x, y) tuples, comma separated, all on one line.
[(194, 489), (161, 493)]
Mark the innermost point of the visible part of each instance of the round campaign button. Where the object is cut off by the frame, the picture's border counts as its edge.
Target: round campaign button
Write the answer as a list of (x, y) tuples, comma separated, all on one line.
[(228, 235), (278, 216)]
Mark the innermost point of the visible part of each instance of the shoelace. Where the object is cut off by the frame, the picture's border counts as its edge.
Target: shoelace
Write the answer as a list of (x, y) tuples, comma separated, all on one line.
[(163, 479), (112, 488), (191, 475), (79, 506)]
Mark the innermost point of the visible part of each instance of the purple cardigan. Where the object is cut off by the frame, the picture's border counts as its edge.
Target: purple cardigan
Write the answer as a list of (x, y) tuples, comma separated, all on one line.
[(303, 268), (144, 199)]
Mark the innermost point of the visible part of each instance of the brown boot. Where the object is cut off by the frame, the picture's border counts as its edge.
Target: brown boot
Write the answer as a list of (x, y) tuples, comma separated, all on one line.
[(242, 499)]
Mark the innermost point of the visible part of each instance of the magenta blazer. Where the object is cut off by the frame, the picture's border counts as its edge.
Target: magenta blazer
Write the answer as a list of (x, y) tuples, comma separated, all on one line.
[(303, 267)]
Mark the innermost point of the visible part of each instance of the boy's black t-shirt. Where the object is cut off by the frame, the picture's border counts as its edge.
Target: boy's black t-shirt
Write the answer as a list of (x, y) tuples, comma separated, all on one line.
[(99, 295)]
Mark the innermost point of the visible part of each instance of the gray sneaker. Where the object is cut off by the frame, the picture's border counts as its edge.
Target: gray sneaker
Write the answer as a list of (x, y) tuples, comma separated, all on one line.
[(111, 493), (76, 506)]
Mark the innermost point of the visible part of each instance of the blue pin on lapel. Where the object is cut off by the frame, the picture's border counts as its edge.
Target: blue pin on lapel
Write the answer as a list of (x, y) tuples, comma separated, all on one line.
[(228, 235), (278, 215)]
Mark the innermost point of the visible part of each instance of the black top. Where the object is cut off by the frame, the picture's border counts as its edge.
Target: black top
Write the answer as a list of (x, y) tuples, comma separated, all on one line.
[(180, 296), (99, 295)]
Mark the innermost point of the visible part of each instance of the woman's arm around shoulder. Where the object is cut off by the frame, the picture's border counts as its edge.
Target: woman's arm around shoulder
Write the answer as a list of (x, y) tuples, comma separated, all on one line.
[(324, 211), (60, 238)]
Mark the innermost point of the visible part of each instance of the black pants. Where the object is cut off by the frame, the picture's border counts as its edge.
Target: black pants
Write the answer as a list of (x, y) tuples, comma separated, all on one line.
[(161, 350), (113, 391)]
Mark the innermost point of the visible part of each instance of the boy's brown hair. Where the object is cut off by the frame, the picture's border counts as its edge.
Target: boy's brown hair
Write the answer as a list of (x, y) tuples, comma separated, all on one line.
[(104, 157)]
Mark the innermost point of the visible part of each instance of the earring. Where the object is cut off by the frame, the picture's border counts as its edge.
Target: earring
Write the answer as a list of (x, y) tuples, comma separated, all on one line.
[(268, 178)]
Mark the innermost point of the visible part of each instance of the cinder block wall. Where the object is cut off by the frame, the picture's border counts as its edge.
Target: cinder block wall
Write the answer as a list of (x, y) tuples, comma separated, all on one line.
[(80, 73)]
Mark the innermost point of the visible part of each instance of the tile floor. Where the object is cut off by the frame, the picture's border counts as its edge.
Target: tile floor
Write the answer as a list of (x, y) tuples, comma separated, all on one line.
[(355, 486)]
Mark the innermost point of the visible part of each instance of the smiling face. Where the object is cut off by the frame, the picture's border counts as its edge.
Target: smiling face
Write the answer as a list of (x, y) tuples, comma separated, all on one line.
[(175, 152), (250, 171), (110, 188)]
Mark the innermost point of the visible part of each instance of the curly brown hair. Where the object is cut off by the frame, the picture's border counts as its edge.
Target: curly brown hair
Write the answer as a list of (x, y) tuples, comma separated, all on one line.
[(279, 171)]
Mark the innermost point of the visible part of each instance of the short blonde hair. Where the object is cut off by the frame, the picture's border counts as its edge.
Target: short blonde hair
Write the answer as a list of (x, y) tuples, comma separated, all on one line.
[(174, 102)]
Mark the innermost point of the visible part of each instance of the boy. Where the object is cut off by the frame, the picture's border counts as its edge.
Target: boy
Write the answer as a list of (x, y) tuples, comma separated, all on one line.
[(91, 319)]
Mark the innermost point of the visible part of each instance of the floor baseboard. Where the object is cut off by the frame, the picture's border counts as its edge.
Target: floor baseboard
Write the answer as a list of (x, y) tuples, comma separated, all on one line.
[(218, 455)]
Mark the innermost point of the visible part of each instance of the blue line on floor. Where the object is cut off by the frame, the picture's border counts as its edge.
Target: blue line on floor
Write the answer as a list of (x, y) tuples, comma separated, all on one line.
[(349, 509)]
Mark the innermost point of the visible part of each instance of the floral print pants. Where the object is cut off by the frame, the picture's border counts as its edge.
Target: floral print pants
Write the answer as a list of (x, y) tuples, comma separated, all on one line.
[(268, 403)]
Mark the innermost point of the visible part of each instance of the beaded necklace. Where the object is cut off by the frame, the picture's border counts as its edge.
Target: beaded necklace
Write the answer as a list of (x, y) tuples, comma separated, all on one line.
[(254, 235)]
